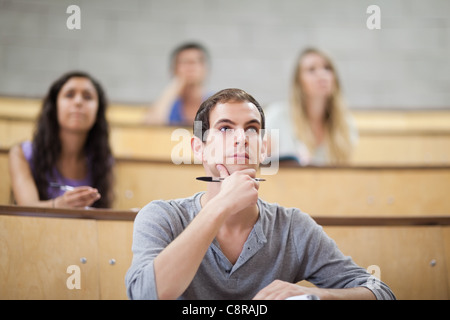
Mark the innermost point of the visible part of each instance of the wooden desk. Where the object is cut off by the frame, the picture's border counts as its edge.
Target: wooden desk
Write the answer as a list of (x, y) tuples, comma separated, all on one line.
[(375, 147), (37, 245), (368, 120), (376, 191), (417, 191), (414, 148), (413, 138), (5, 181), (412, 260), (319, 191)]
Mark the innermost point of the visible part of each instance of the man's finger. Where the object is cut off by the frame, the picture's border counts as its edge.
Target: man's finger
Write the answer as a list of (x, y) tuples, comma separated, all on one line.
[(222, 171)]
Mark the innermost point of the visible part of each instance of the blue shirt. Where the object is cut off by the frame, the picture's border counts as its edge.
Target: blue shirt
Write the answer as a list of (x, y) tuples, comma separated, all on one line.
[(176, 113), (176, 116)]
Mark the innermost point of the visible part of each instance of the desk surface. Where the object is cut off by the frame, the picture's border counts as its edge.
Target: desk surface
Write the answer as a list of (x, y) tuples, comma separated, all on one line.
[(108, 214), (367, 120), (91, 213), (284, 164)]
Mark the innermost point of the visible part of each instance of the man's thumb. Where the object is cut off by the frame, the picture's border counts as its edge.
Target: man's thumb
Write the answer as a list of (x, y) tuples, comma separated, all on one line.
[(222, 171)]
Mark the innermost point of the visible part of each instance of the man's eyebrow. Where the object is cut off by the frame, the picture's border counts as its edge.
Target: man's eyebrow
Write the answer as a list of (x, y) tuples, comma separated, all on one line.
[(254, 121), (220, 121)]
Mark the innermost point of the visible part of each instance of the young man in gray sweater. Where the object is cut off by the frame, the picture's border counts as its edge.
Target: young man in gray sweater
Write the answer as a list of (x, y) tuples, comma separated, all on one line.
[(226, 242)]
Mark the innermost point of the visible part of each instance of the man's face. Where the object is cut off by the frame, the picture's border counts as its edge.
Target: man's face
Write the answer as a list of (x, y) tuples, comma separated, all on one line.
[(234, 138)]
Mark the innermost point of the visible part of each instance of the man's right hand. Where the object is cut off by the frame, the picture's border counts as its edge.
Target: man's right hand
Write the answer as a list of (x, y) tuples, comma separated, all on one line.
[(239, 190)]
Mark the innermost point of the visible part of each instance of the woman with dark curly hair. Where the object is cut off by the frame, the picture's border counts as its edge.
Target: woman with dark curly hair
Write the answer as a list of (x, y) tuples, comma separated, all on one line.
[(69, 163)]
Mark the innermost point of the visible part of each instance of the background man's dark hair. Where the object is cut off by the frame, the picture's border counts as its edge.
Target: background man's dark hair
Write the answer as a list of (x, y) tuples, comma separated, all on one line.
[(223, 96)]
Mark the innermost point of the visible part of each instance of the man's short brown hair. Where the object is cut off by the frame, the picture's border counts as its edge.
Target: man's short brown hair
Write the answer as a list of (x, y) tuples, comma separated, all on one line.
[(223, 96)]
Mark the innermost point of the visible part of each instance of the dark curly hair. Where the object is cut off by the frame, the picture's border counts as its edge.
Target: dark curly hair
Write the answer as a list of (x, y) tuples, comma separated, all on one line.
[(47, 146)]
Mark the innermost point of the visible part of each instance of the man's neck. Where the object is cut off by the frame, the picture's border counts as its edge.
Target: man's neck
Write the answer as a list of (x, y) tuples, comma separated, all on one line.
[(239, 221), (235, 230)]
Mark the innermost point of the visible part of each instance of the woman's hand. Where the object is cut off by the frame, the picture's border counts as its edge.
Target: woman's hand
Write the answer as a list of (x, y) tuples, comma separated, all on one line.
[(79, 197)]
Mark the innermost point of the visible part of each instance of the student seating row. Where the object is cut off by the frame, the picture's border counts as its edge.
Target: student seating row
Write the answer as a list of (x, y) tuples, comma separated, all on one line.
[(417, 191), (414, 191), (385, 137), (41, 248), (366, 120), (157, 142)]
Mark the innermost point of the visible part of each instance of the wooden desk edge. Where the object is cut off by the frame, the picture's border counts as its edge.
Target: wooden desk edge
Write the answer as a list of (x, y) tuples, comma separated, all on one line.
[(91, 213), (282, 164), (383, 221), (129, 215)]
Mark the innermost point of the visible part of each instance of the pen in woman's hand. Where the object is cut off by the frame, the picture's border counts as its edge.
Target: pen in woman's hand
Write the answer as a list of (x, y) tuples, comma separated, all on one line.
[(219, 179), (61, 186)]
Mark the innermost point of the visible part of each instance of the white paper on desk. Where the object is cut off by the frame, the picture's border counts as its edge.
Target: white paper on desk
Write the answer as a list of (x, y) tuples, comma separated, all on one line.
[(304, 297)]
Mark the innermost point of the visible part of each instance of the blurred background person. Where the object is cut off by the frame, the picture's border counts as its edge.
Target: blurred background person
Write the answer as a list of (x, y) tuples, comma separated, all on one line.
[(182, 97), (69, 163), (315, 127)]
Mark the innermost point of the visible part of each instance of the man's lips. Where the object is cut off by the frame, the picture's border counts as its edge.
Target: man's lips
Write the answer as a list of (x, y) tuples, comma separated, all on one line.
[(240, 155), (240, 158)]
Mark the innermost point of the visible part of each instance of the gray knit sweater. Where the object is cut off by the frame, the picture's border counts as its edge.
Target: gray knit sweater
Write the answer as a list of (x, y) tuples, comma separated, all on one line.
[(285, 244)]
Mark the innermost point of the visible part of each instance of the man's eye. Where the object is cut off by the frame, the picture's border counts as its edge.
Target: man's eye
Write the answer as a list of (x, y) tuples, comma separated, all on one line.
[(252, 130), (226, 129)]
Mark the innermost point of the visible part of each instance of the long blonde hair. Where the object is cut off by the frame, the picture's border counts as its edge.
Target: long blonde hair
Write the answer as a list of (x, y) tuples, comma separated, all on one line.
[(337, 135)]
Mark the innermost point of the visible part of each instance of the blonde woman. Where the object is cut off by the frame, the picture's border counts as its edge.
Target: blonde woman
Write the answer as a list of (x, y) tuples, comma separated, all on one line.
[(315, 127)]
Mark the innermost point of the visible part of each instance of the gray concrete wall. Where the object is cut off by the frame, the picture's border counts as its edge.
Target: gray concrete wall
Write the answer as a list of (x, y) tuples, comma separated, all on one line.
[(253, 44)]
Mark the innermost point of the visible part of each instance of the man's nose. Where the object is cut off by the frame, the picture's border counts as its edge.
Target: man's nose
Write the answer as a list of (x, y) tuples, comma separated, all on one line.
[(240, 136)]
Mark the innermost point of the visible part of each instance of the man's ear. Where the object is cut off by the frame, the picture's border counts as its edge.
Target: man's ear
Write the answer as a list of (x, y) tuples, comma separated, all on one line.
[(197, 148)]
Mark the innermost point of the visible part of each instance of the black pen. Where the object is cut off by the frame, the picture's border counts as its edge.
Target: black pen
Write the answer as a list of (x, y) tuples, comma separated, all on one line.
[(219, 179)]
